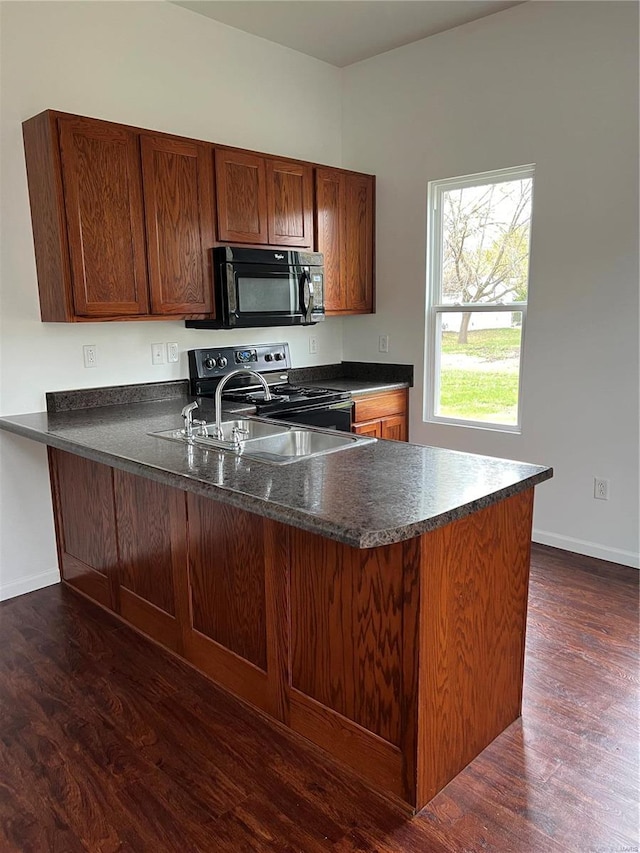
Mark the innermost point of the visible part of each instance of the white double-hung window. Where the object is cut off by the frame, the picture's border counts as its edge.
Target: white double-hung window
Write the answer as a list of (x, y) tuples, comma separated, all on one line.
[(479, 229)]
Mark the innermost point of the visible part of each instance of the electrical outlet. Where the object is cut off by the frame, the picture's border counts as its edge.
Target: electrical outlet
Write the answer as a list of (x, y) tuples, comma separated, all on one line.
[(383, 343), (157, 353), (313, 345), (172, 353), (601, 488), (90, 355)]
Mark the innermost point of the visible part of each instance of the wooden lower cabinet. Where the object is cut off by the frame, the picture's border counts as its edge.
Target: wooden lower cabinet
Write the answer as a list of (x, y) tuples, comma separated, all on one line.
[(384, 415), (233, 633), (151, 532), (402, 661), (84, 515)]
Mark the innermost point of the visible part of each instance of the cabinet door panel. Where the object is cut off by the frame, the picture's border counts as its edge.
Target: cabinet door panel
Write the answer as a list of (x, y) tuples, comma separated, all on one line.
[(178, 195), (241, 197), (103, 199), (85, 525), (341, 659), (373, 428), (289, 203), (151, 523), (394, 427), (375, 406), (359, 242), (226, 568), (330, 235)]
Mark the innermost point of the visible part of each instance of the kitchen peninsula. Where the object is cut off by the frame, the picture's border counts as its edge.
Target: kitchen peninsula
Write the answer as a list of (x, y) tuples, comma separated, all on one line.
[(372, 600)]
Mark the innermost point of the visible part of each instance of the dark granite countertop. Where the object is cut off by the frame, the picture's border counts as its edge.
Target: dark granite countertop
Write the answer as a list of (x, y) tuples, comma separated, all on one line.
[(357, 387), (358, 377), (376, 494)]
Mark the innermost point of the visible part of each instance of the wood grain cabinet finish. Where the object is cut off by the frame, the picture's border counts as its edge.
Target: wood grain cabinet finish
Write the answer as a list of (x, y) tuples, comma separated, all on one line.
[(84, 515), (106, 200), (289, 203), (262, 200), (178, 196), (151, 524), (105, 219), (87, 215), (233, 634), (384, 415), (124, 219), (345, 203), (241, 195), (402, 661)]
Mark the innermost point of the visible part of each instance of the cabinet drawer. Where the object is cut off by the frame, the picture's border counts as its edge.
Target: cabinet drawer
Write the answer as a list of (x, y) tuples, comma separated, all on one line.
[(378, 405)]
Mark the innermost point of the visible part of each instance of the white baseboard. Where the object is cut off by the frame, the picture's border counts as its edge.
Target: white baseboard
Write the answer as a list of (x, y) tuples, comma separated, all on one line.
[(590, 549), (19, 587)]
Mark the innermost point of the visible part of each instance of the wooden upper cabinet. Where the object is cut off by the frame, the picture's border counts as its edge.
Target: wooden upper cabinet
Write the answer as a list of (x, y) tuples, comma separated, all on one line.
[(358, 213), (124, 219), (178, 197), (105, 219), (330, 236), (344, 227), (263, 200), (289, 203), (241, 197)]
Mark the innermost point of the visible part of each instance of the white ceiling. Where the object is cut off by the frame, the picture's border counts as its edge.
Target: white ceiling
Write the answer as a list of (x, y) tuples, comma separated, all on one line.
[(345, 31)]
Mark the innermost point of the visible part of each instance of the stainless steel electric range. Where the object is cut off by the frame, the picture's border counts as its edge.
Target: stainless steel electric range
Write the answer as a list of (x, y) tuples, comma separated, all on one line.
[(321, 407)]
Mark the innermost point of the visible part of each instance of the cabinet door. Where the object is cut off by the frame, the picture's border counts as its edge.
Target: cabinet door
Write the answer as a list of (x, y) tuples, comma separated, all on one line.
[(358, 248), (151, 524), (330, 236), (227, 636), (241, 197), (103, 201), (373, 428), (85, 525), (394, 427), (178, 196), (289, 203)]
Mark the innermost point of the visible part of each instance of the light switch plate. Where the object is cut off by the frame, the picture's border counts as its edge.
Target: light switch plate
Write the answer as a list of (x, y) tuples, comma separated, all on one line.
[(157, 353)]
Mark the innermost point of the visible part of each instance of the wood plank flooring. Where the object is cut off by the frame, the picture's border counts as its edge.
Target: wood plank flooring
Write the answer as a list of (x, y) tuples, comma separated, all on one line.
[(109, 744)]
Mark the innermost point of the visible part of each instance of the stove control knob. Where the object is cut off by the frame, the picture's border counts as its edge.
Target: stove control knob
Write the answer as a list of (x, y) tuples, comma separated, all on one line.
[(221, 361), (209, 363), (279, 356), (268, 357)]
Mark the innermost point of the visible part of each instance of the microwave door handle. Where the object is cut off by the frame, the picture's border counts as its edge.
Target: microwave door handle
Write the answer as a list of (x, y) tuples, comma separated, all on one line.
[(306, 297)]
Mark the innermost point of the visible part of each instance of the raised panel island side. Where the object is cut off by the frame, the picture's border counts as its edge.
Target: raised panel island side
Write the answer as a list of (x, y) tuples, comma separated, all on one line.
[(372, 600)]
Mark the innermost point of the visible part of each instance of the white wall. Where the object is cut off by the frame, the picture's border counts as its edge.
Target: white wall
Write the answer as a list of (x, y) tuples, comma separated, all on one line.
[(157, 66), (555, 84)]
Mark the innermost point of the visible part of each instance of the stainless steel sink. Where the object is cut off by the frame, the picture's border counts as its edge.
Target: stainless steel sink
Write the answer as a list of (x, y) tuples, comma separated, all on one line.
[(251, 428), (266, 441), (298, 443)]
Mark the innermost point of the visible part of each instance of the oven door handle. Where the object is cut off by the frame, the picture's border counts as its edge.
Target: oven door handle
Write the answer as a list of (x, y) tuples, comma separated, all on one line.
[(306, 297)]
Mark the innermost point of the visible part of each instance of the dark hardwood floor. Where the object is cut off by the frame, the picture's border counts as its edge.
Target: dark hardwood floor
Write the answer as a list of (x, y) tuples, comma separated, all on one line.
[(108, 743)]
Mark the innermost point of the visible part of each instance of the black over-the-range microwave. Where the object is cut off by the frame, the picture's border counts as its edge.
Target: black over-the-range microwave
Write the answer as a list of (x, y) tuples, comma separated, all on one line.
[(265, 287)]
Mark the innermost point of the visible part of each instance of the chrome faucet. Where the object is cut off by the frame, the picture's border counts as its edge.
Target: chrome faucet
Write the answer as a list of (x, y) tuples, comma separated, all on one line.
[(218, 398), (189, 421)]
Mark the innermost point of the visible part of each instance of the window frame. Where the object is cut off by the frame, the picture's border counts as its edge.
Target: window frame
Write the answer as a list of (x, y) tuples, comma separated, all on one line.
[(435, 310)]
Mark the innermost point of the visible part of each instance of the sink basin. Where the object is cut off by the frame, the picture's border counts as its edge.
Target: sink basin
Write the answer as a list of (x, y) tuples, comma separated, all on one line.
[(298, 443), (253, 428), (266, 441)]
